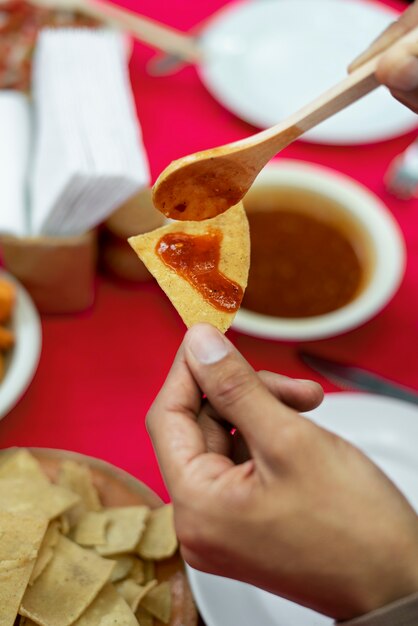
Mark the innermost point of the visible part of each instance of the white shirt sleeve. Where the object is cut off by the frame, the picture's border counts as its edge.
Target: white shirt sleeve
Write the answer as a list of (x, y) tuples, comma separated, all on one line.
[(401, 613)]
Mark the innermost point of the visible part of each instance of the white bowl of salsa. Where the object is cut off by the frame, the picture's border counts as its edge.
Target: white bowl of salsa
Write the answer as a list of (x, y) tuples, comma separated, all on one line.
[(326, 254)]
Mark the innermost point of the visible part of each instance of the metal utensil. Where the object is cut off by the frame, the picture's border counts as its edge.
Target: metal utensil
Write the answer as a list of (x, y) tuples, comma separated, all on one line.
[(351, 377), (402, 176), (165, 64)]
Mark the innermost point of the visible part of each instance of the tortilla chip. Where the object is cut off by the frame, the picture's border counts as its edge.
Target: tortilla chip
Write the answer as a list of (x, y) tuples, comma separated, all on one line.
[(123, 567), (77, 478), (133, 593), (125, 529), (159, 540), (138, 572), (46, 551), (158, 602), (234, 264), (91, 529), (149, 571), (108, 609), (144, 618), (67, 586), (22, 464), (64, 523), (21, 537), (23, 494)]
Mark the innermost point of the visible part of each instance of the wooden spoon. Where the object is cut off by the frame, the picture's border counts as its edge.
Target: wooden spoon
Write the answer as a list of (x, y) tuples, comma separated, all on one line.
[(204, 184), (145, 29)]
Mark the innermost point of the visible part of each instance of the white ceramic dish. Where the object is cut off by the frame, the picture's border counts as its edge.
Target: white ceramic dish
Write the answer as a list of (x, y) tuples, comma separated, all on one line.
[(387, 241), (264, 60), (387, 431), (24, 358)]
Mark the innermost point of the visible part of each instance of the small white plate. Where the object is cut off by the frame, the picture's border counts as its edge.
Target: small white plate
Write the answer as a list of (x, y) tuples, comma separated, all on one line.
[(25, 355), (265, 59), (386, 430)]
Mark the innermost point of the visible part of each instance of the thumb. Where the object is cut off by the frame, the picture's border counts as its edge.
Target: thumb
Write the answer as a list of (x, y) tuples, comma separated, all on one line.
[(398, 68), (406, 22), (233, 388)]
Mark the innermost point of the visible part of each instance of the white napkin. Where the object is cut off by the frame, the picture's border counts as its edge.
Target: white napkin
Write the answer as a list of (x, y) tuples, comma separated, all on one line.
[(15, 136), (88, 155)]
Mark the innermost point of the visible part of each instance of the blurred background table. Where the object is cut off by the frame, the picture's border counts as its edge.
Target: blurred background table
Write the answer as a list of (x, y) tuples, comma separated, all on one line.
[(100, 370)]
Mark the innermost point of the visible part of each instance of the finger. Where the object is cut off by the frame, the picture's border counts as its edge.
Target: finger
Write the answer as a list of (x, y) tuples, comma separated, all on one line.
[(240, 452), (391, 34), (405, 23), (171, 421), (301, 395), (408, 98), (398, 68), (217, 437), (232, 387)]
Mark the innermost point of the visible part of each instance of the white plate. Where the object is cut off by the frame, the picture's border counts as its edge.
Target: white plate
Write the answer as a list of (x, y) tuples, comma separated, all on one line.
[(265, 59), (25, 355), (387, 431)]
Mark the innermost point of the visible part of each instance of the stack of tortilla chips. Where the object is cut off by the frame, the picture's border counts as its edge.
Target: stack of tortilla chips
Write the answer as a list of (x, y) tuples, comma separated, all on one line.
[(66, 560)]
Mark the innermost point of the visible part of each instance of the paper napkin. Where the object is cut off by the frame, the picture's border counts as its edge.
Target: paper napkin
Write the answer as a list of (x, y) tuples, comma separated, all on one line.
[(15, 136), (88, 152)]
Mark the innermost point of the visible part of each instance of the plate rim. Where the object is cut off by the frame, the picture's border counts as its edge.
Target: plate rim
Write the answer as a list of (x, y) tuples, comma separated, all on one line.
[(315, 136), (23, 365)]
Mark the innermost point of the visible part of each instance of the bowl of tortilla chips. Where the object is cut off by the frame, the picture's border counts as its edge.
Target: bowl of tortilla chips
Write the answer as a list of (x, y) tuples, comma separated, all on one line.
[(83, 543)]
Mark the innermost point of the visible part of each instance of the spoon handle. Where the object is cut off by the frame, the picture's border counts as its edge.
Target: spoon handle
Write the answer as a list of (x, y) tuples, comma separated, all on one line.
[(145, 29)]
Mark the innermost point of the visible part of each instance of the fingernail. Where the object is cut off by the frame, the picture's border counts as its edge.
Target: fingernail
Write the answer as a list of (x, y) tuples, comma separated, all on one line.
[(207, 344), (404, 74), (308, 382), (305, 380)]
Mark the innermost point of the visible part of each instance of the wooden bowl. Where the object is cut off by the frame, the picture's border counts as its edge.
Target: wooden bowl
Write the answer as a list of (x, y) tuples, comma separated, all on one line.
[(118, 488)]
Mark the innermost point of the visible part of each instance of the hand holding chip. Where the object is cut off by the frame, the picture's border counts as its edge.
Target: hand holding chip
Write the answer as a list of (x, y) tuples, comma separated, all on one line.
[(398, 68), (284, 504)]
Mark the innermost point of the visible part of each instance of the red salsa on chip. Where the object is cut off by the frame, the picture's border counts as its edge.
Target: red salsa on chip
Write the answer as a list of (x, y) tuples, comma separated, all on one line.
[(196, 258)]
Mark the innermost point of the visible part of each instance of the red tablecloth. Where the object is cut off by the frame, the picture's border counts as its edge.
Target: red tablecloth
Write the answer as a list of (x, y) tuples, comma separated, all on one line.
[(100, 370)]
